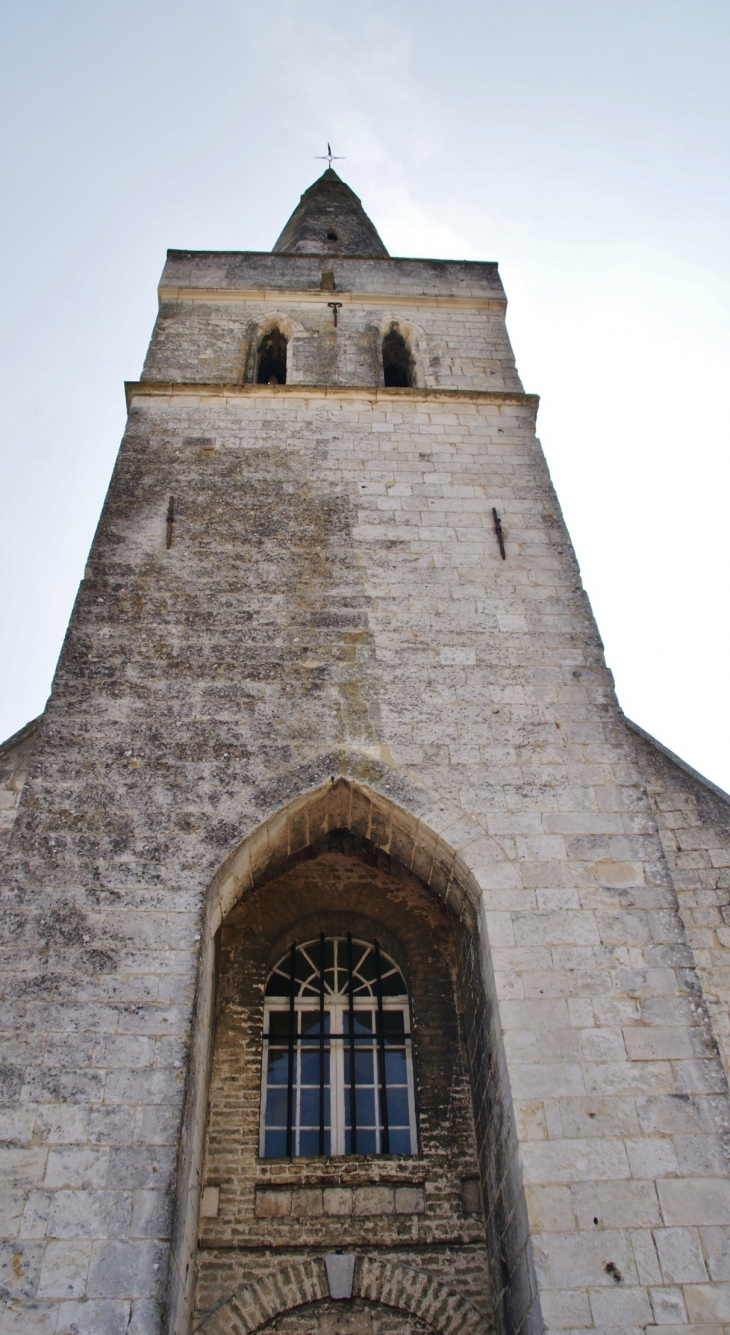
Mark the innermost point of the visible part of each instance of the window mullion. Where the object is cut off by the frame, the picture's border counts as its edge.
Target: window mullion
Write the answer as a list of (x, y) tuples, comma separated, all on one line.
[(385, 1142), (351, 1013), (337, 1083), (321, 1045), (291, 1038), (409, 1074)]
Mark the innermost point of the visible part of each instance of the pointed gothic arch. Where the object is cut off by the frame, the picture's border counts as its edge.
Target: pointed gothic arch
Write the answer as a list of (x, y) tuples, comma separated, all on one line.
[(261, 331), (408, 824), (343, 803), (414, 340)]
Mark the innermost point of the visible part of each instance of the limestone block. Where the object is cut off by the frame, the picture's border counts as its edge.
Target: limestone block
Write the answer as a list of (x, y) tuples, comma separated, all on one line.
[(707, 1303), (695, 1201), (620, 1307), (273, 1204), (412, 1200), (716, 1250), (307, 1201), (680, 1255), (152, 1213), (64, 1270), (20, 1267), (373, 1200), (668, 1306), (89, 1214), (337, 1200), (616, 1204), (89, 1318), (139, 1268)]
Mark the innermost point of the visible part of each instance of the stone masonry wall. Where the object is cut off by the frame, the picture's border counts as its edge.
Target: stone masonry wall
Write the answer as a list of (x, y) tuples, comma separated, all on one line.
[(15, 756), (229, 272), (334, 588), (212, 307), (457, 349), (694, 825)]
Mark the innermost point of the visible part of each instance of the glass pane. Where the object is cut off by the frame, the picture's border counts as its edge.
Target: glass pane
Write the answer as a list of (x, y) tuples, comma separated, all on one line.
[(392, 981), (275, 1144), (278, 983), (276, 1107), (365, 1142), (393, 1023), (364, 1107), (310, 1023), (398, 1107), (363, 1022), (364, 1067), (277, 1070), (400, 1141), (309, 1107), (329, 965), (306, 969), (309, 1142), (395, 1066), (279, 1023), (363, 968), (310, 1067)]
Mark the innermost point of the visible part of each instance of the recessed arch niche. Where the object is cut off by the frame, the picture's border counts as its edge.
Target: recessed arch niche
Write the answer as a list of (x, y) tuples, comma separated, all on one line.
[(404, 846)]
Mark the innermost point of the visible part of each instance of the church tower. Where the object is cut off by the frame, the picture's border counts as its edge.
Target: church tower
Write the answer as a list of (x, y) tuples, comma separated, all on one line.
[(346, 988)]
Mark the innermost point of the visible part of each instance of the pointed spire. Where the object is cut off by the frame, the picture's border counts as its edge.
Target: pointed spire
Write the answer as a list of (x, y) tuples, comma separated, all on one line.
[(329, 220)]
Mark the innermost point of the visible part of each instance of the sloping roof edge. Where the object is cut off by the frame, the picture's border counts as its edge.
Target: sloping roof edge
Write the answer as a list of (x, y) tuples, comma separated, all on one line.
[(21, 735), (676, 760)]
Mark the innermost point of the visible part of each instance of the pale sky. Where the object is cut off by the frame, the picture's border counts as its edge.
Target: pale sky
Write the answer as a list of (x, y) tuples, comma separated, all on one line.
[(584, 146)]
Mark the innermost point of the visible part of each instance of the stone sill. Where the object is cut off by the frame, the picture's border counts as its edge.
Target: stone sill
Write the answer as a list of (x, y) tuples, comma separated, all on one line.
[(345, 1173), (277, 1202)]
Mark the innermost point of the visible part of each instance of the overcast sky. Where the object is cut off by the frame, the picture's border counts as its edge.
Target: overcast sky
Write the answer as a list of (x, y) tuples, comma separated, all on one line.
[(583, 145)]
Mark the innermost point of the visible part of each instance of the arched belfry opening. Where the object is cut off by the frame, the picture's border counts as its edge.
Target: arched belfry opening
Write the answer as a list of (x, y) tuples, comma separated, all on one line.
[(271, 364), (397, 360), (350, 1101)]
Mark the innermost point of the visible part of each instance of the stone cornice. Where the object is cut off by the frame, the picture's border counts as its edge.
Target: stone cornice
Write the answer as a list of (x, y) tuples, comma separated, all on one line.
[(161, 389), (320, 297)]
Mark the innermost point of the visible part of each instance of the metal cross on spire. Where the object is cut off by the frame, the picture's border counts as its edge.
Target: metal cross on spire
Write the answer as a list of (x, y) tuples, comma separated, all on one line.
[(329, 157)]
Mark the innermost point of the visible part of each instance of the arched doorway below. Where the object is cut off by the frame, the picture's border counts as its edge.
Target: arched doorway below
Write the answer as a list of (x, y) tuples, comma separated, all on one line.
[(386, 1299), (356, 1317)]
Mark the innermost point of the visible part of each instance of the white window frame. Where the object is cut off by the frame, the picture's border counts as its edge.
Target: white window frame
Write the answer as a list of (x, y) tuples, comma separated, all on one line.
[(337, 1008)]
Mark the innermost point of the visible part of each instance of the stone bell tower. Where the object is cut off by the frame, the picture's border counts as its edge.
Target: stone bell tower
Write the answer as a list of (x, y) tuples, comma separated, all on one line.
[(345, 984)]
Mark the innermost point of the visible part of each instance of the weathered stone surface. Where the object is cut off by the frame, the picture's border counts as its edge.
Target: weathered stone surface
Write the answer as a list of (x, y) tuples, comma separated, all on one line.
[(15, 757), (329, 220)]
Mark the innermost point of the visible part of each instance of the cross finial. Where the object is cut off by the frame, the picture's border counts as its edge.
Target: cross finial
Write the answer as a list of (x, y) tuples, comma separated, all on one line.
[(329, 156)]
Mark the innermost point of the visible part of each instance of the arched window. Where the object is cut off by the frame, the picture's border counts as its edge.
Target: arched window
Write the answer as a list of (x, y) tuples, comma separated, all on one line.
[(397, 360), (335, 1006), (271, 369)]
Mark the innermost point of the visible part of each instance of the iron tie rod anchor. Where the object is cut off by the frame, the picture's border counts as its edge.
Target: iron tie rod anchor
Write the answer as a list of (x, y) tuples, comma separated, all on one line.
[(498, 531)]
